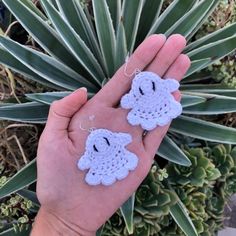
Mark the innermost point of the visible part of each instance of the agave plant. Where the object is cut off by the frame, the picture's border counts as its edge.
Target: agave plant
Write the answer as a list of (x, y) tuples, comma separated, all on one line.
[(83, 45)]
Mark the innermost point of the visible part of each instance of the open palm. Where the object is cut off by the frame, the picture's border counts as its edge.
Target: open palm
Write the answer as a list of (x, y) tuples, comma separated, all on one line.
[(61, 188)]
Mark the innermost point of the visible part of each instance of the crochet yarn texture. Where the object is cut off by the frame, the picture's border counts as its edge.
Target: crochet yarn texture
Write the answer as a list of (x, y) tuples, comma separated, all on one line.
[(151, 101), (106, 157)]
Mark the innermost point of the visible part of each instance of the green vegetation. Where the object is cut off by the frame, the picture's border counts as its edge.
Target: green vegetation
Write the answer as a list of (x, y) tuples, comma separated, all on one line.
[(74, 45), (204, 189)]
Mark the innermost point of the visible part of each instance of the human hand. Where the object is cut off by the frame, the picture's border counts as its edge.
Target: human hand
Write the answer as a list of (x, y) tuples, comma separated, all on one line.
[(68, 204)]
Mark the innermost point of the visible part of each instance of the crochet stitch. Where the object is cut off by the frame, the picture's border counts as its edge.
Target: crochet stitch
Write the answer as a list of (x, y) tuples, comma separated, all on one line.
[(151, 101), (106, 157)]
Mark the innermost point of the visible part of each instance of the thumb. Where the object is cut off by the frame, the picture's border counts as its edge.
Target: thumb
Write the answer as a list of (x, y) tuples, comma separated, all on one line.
[(62, 111)]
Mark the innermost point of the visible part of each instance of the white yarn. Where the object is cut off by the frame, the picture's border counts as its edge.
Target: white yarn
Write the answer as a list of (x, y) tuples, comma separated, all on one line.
[(151, 101), (106, 157)]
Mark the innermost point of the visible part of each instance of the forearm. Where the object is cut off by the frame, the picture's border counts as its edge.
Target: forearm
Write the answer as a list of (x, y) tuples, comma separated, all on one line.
[(48, 224)]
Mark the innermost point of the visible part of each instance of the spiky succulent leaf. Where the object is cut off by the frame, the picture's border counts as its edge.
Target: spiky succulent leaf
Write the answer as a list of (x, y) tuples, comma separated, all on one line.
[(127, 210), (13, 63), (44, 34), (76, 45), (106, 33), (170, 151), (32, 112), (121, 46), (21, 179), (150, 12), (189, 21), (115, 11), (131, 12), (213, 105), (51, 69), (190, 100), (179, 213), (220, 34), (170, 16), (76, 18), (201, 129)]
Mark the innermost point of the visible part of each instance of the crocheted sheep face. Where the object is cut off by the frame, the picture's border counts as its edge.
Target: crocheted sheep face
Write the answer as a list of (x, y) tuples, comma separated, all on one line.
[(106, 157), (151, 101)]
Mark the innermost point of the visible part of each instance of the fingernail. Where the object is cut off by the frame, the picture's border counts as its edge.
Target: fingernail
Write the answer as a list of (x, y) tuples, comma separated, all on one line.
[(162, 35), (77, 90), (83, 88)]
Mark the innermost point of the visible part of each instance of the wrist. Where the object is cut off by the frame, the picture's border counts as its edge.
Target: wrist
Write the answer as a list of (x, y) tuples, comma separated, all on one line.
[(48, 223)]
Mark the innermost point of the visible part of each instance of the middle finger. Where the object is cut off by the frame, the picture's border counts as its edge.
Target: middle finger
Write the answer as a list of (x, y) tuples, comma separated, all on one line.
[(167, 55)]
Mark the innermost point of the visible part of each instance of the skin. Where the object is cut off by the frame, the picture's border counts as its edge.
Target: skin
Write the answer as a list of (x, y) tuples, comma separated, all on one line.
[(68, 205)]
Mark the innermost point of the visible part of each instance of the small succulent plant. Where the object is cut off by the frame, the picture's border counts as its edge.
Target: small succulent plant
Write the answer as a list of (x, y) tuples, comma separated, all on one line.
[(152, 203), (224, 71), (204, 188), (15, 210)]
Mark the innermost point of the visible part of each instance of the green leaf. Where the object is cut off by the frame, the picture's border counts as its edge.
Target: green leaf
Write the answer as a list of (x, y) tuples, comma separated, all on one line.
[(171, 15), (11, 62), (223, 33), (99, 231), (127, 211), (149, 14), (197, 66), (199, 173), (30, 195), (197, 78), (121, 47), (105, 32), (163, 199), (171, 152), (215, 50), (76, 18), (74, 43), (90, 18), (11, 232), (33, 8), (143, 232), (26, 176), (186, 24), (204, 19), (31, 112), (54, 3), (189, 100), (181, 217), (205, 130), (48, 97), (223, 92), (46, 66), (45, 35), (131, 13), (211, 89), (115, 11), (213, 105), (203, 87)]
